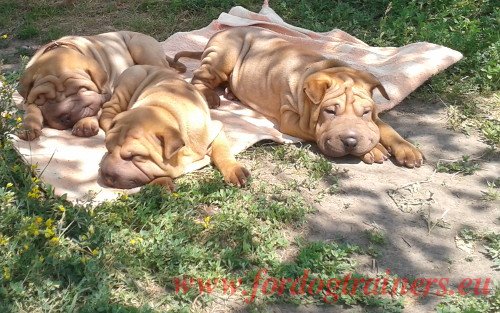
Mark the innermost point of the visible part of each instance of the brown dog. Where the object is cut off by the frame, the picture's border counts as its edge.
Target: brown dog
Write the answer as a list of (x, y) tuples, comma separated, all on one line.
[(157, 124), (310, 97), (67, 81)]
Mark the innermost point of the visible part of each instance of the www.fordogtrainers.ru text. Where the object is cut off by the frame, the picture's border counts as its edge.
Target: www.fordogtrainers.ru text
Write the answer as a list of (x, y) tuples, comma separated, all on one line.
[(330, 289)]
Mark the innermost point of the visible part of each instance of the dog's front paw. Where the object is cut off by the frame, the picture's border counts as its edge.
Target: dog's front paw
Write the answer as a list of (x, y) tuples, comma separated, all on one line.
[(406, 154), (211, 96), (236, 174), (377, 155), (165, 182), (29, 134), (86, 127)]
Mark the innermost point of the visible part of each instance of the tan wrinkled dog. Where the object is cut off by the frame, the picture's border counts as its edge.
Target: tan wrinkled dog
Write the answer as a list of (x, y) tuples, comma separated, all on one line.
[(66, 82), (157, 124), (310, 97)]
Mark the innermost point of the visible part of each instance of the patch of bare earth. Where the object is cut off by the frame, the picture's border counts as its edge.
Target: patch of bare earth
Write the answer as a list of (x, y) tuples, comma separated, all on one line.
[(419, 210)]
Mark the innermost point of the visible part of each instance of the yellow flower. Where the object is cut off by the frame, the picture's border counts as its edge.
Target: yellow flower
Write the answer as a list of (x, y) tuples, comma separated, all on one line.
[(175, 195), (26, 247), (49, 232), (5, 36), (38, 220), (95, 252), (35, 180), (6, 273), (4, 240), (123, 196), (19, 120), (7, 115), (136, 240), (61, 208), (54, 241), (205, 222), (9, 185), (35, 192), (41, 258), (49, 222)]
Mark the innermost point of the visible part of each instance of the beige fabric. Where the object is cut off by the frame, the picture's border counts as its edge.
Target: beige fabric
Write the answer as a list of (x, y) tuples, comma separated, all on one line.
[(73, 162)]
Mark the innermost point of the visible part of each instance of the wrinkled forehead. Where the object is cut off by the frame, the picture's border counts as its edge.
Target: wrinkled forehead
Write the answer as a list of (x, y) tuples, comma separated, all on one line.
[(67, 83), (347, 94), (131, 141)]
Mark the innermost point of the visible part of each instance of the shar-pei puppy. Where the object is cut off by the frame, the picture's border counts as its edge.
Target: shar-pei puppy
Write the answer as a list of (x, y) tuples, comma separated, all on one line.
[(156, 125), (309, 96)]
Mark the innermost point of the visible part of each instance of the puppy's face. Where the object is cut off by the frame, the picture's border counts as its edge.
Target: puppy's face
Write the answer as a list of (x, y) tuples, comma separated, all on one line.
[(143, 144), (66, 85), (345, 110)]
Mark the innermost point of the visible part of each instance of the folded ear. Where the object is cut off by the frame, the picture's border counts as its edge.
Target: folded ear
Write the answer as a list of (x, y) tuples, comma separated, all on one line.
[(97, 74), (26, 83), (315, 86), (171, 142)]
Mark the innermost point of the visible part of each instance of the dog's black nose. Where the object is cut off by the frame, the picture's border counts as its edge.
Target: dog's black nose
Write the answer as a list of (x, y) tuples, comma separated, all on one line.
[(350, 142)]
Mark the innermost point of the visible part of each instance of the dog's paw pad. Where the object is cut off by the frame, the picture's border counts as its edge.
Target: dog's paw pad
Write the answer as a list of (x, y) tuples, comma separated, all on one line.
[(237, 175), (378, 154), (407, 155), (86, 127), (166, 182), (29, 134)]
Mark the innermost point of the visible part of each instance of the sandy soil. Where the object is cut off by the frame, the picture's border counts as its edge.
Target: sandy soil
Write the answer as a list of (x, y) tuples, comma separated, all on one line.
[(405, 205)]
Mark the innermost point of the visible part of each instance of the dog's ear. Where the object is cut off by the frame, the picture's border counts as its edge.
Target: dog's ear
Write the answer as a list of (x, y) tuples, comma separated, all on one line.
[(97, 74), (25, 83), (172, 142), (315, 86)]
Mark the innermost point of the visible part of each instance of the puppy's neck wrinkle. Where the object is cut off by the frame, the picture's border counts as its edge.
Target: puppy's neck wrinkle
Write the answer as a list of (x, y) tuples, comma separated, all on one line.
[(61, 44)]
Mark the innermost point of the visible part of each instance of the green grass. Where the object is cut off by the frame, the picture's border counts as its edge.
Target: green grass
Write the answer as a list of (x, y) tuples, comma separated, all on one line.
[(465, 166), (122, 256), (471, 304)]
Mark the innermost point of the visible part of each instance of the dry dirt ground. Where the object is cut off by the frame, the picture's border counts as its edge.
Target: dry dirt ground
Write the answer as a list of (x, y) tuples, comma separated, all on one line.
[(419, 211)]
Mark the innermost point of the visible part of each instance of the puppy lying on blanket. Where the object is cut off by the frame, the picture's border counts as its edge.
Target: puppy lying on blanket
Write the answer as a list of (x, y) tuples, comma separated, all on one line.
[(156, 124), (309, 97), (67, 81)]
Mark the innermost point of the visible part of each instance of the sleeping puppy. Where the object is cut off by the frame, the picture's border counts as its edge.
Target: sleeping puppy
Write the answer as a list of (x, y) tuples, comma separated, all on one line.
[(66, 82), (156, 125), (309, 96)]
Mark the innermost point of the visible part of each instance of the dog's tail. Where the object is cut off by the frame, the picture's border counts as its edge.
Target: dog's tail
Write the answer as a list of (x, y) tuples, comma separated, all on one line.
[(174, 63), (188, 54)]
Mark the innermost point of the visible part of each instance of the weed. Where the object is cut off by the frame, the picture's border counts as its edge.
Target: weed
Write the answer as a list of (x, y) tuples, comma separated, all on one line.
[(376, 236), (492, 194), (471, 304), (466, 166), (492, 246)]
